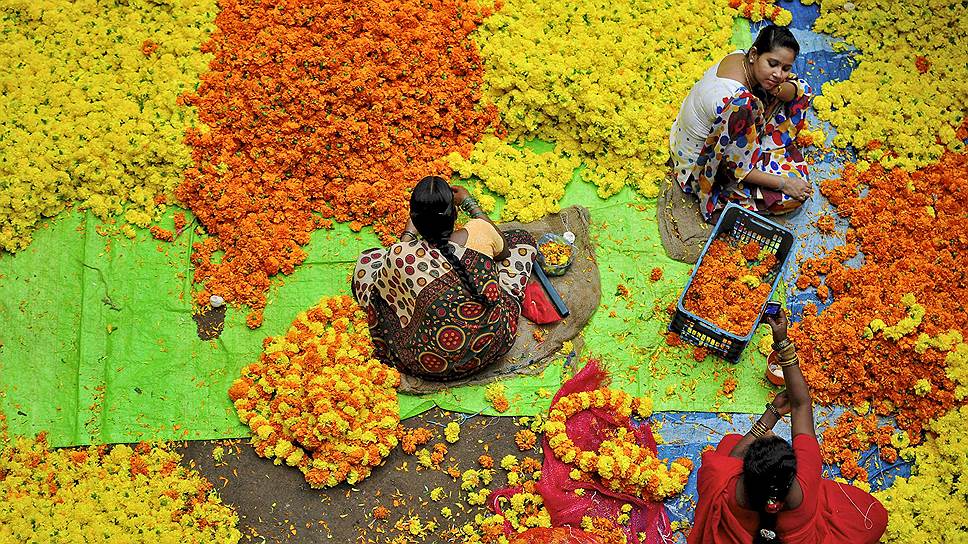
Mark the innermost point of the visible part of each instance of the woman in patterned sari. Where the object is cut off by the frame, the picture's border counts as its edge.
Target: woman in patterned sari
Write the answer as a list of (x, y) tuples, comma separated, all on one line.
[(444, 303), (734, 139)]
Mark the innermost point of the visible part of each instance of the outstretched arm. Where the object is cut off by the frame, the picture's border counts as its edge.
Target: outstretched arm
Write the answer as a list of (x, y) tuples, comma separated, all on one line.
[(801, 405)]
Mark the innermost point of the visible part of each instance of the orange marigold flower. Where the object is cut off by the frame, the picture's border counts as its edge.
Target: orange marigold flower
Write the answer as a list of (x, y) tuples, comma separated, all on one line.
[(161, 234), (656, 274), (486, 461), (381, 513), (525, 439)]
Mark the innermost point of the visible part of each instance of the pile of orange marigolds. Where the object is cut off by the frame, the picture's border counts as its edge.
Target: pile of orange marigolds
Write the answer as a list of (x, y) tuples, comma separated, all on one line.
[(887, 341), (317, 112)]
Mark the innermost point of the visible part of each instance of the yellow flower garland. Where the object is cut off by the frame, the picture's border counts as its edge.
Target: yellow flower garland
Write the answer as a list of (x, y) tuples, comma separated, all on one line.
[(89, 110), (603, 80), (620, 462), (317, 400)]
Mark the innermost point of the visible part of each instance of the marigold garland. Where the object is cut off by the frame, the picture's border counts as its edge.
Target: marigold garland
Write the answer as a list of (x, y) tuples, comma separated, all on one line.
[(320, 112), (758, 10), (899, 318), (620, 462), (906, 99), (86, 116), (101, 494), (316, 399), (602, 80), (730, 286)]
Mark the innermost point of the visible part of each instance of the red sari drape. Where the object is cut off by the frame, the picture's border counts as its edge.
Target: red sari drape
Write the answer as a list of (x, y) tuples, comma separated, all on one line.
[(830, 512)]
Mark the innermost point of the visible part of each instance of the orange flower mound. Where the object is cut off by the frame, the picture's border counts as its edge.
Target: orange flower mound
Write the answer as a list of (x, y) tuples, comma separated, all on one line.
[(317, 400), (730, 286), (880, 341), (525, 439), (415, 437), (320, 111)]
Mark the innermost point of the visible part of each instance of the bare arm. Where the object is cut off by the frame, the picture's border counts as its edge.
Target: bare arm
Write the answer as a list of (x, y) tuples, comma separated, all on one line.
[(801, 404), (795, 187), (460, 195)]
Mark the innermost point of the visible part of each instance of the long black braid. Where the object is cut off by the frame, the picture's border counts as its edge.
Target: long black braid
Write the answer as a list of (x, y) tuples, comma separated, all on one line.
[(769, 468), (433, 213)]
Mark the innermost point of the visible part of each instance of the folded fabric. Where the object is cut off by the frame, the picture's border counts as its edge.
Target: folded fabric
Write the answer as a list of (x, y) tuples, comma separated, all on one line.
[(537, 306)]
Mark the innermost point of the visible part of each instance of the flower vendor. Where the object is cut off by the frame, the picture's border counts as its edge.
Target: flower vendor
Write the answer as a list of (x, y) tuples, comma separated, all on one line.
[(444, 303), (758, 488), (735, 136)]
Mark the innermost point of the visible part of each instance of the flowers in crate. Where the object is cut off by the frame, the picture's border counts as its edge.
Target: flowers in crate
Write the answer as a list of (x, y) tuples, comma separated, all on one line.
[(118, 491), (87, 118), (317, 400), (604, 81), (903, 104), (620, 462), (731, 285), (313, 121)]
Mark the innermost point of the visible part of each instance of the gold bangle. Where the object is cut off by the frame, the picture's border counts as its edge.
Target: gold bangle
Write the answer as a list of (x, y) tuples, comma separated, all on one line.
[(783, 344), (758, 429), (790, 362)]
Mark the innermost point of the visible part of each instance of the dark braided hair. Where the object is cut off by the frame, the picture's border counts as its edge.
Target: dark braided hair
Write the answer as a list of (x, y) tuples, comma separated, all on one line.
[(769, 468), (433, 213)]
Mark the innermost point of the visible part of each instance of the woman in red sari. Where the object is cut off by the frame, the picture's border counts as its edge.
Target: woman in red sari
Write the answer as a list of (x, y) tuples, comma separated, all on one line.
[(758, 488)]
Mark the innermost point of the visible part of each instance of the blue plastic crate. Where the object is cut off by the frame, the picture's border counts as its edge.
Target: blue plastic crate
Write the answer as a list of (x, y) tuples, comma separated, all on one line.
[(743, 226)]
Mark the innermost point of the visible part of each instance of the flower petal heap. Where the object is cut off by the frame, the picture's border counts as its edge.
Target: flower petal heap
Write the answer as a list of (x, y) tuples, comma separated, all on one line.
[(101, 494), (730, 286), (603, 80), (531, 183), (932, 505), (620, 462), (906, 99), (88, 115), (322, 111), (317, 400), (893, 337)]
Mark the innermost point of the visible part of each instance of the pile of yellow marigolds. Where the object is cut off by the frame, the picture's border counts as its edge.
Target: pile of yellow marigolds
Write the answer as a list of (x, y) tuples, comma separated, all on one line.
[(317, 400)]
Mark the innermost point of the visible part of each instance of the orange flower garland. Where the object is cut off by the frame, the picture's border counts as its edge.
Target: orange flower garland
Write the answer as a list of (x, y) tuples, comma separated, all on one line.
[(316, 399), (878, 342), (322, 111), (620, 462), (729, 287)]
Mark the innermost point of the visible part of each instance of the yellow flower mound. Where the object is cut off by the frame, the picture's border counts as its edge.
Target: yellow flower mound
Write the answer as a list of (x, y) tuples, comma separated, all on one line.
[(888, 109), (86, 116), (932, 505), (317, 400), (99, 495), (604, 80), (531, 183)]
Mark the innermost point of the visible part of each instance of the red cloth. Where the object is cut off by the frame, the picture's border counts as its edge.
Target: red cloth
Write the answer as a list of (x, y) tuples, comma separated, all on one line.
[(537, 306), (587, 429), (826, 515)]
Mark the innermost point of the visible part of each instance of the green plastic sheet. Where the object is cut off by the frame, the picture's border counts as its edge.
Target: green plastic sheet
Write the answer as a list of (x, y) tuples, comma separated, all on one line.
[(98, 344)]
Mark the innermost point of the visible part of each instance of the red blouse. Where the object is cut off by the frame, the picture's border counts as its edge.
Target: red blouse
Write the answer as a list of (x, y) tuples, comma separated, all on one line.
[(829, 513)]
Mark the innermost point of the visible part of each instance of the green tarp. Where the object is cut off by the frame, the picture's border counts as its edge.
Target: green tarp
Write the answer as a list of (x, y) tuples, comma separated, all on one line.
[(98, 343)]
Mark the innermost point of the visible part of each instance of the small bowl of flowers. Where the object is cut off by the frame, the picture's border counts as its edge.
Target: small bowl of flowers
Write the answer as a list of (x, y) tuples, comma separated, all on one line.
[(555, 254)]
